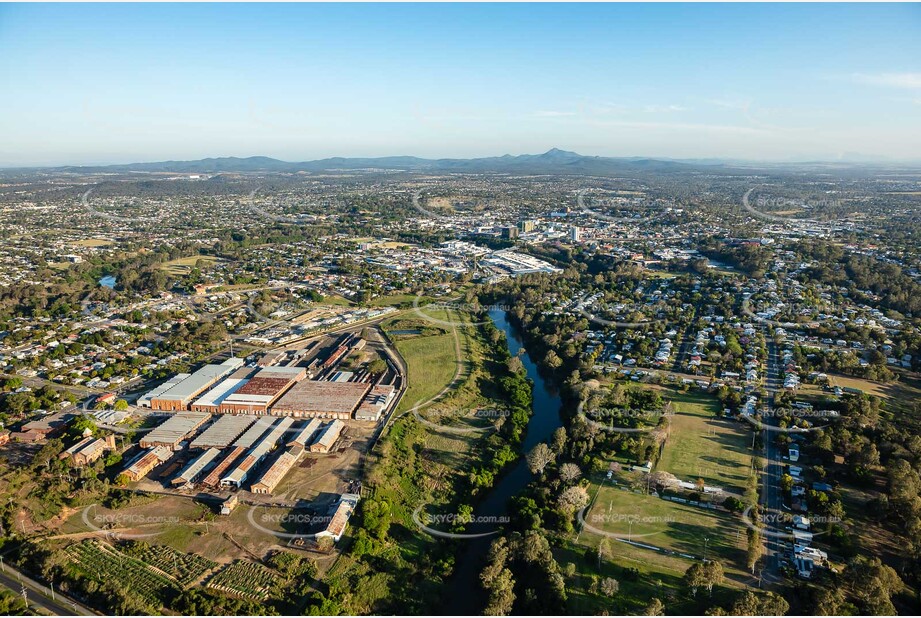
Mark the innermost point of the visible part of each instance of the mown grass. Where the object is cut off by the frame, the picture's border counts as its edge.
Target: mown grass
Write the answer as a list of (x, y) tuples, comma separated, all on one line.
[(702, 445), (662, 523)]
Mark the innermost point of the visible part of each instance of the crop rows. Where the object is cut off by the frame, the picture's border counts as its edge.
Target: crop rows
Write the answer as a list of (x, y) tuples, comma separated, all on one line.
[(245, 579), (184, 568), (104, 563)]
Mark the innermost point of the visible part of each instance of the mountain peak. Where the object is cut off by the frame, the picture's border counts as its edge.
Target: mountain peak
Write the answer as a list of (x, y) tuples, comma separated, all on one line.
[(556, 153)]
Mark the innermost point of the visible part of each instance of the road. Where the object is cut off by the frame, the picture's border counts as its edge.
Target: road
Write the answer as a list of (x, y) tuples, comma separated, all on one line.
[(771, 493), (41, 597)]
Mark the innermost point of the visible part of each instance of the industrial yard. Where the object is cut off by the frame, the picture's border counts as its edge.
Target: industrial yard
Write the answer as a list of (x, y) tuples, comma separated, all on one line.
[(283, 430)]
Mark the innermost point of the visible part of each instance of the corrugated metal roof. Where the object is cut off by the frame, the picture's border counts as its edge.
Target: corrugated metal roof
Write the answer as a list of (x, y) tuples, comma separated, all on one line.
[(198, 465), (200, 380), (176, 428), (330, 434), (279, 468), (224, 431), (326, 397), (255, 455), (305, 435)]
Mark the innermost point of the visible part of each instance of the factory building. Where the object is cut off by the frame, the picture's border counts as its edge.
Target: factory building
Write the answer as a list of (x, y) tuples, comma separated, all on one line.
[(262, 390), (181, 395), (145, 400), (256, 454), (327, 438), (147, 462), (222, 432), (89, 449), (211, 401), (340, 514), (176, 428), (196, 467), (237, 450), (277, 471), (272, 358), (375, 403), (314, 399), (214, 477), (305, 436)]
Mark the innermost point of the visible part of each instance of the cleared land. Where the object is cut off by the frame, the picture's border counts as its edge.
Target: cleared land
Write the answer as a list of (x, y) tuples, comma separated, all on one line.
[(431, 359), (183, 266), (700, 445), (93, 242), (662, 523), (644, 573)]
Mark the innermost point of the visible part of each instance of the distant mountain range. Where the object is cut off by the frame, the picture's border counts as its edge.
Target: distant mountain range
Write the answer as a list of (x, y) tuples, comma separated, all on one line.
[(554, 161)]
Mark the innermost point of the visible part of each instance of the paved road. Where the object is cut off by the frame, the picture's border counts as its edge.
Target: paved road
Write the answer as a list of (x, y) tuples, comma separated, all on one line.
[(41, 597), (771, 494)]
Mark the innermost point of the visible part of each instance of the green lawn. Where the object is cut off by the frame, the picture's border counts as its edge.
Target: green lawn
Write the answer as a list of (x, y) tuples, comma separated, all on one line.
[(431, 360), (677, 527), (669, 525), (700, 445), (393, 300)]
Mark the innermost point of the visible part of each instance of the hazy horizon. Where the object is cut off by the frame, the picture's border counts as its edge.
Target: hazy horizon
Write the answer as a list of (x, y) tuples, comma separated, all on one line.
[(848, 158), (120, 84)]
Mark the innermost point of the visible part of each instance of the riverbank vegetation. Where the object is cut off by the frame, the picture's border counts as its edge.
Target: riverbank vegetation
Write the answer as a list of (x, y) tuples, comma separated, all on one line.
[(437, 458)]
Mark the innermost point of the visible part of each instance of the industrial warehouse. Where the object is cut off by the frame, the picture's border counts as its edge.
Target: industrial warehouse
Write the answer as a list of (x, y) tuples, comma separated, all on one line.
[(230, 451), (259, 424), (279, 390)]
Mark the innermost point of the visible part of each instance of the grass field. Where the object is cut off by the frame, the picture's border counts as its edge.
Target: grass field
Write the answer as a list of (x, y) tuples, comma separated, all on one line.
[(183, 266), (665, 524), (93, 242), (669, 525), (431, 361), (700, 445), (393, 300)]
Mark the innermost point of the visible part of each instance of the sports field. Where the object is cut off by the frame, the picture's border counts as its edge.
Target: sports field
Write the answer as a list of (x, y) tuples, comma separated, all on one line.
[(658, 523), (669, 525), (702, 445)]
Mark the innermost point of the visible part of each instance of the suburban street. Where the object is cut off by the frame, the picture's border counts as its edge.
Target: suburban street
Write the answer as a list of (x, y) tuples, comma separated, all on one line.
[(771, 494)]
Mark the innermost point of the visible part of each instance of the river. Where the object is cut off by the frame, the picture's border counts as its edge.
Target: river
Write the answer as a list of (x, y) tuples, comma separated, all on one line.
[(464, 595)]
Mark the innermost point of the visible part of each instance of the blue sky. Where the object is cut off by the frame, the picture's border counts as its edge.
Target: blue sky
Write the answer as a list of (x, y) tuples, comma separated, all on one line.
[(120, 83)]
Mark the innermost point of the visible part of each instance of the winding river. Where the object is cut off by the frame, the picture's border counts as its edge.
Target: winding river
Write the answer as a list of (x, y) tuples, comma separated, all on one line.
[(464, 594)]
